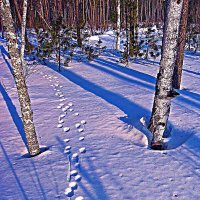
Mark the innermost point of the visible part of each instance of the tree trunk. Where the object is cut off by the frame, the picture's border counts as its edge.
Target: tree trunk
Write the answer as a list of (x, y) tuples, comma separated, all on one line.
[(25, 104), (78, 28), (2, 18), (164, 91), (23, 33), (18, 12), (118, 26), (181, 46)]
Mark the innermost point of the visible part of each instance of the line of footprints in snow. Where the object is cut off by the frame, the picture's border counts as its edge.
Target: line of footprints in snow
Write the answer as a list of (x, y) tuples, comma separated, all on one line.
[(73, 157)]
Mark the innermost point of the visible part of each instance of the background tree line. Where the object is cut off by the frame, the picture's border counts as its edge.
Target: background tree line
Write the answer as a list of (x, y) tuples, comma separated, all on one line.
[(94, 14)]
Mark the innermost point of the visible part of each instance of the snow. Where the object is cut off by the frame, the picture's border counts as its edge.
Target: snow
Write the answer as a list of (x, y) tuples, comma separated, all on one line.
[(66, 140), (81, 138), (66, 129), (73, 185), (59, 125), (83, 122), (79, 198), (82, 150), (116, 103), (74, 172)]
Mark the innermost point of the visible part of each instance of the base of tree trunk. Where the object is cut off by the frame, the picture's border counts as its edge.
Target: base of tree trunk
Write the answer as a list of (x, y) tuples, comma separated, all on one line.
[(42, 150), (157, 146)]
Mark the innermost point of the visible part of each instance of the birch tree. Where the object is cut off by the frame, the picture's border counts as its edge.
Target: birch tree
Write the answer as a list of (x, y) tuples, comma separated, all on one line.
[(24, 99), (164, 90), (118, 26), (23, 32)]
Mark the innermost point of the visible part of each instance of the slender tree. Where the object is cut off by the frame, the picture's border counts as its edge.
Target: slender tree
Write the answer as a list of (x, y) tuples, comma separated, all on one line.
[(24, 99), (164, 90), (2, 18), (181, 46), (23, 33), (118, 25)]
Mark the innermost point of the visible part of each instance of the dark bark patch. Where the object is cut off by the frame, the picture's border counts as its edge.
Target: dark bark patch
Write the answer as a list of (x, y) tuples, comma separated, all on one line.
[(158, 146)]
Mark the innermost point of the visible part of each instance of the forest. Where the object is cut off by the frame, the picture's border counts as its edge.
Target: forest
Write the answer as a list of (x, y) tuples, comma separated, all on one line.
[(99, 99)]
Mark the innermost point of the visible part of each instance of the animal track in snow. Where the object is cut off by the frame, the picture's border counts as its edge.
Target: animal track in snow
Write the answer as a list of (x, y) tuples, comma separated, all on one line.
[(77, 125), (59, 125), (68, 147), (82, 150), (67, 151), (62, 116), (73, 172), (79, 198), (83, 122), (64, 109), (81, 138), (80, 130), (70, 104), (73, 185), (69, 192), (66, 129), (74, 157), (78, 178), (66, 140), (61, 121)]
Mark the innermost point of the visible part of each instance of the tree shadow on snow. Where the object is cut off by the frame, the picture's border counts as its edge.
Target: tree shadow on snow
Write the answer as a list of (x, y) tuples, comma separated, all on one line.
[(133, 112), (94, 181), (23, 193), (14, 114), (5, 55), (191, 72), (128, 71), (92, 178)]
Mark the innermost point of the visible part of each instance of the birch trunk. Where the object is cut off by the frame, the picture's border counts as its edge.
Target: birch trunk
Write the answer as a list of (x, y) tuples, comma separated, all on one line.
[(118, 26), (164, 91), (181, 46), (23, 32), (25, 104)]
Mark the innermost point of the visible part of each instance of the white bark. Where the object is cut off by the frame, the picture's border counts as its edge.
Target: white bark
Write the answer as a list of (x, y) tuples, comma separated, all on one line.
[(24, 99), (118, 26), (164, 92), (23, 27)]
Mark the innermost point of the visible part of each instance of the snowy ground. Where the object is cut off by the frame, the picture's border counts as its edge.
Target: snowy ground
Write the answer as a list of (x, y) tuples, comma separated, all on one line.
[(117, 165)]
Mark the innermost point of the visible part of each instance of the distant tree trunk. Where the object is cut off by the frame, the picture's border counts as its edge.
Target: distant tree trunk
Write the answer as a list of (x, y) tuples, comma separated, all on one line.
[(25, 104), (2, 19), (136, 20), (78, 28), (133, 49), (18, 12), (164, 91), (181, 46), (23, 33), (132, 28), (118, 25)]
